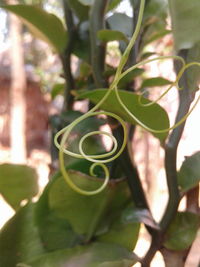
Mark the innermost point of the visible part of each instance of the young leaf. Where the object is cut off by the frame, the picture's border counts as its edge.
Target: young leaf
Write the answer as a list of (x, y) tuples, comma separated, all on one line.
[(189, 174), (182, 231), (146, 115), (42, 24), (17, 182), (156, 81), (111, 35)]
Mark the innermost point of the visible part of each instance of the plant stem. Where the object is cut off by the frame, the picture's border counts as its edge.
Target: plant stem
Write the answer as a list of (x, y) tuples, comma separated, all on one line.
[(98, 49), (66, 57)]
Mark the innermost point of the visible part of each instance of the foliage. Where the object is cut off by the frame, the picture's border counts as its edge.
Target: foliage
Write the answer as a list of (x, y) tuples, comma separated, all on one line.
[(90, 212)]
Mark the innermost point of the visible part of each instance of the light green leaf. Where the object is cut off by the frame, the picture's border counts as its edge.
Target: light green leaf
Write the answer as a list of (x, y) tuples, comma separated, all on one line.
[(42, 24), (79, 9), (185, 17), (86, 213), (182, 231), (93, 255), (156, 81), (111, 35), (189, 174), (57, 89), (113, 4), (146, 115), (19, 238), (17, 182)]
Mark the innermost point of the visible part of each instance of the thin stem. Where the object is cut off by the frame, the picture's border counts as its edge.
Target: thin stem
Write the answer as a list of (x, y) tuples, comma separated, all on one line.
[(98, 48), (66, 56)]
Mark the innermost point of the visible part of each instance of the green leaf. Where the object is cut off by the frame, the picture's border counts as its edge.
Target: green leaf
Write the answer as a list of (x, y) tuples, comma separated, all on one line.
[(111, 35), (79, 9), (130, 77), (156, 81), (17, 182), (57, 89), (86, 2), (189, 174), (93, 255), (146, 115), (113, 4), (19, 238), (122, 23), (185, 17), (85, 213), (182, 231), (42, 24), (122, 232)]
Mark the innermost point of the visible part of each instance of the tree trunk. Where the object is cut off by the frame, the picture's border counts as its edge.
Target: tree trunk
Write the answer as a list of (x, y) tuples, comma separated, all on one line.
[(17, 94)]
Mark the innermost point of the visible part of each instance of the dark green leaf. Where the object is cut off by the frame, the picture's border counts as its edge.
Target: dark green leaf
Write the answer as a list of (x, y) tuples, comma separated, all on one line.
[(182, 231), (111, 35), (42, 24), (189, 174), (156, 81), (93, 255), (17, 182), (19, 238), (85, 213), (146, 115), (130, 77), (185, 17)]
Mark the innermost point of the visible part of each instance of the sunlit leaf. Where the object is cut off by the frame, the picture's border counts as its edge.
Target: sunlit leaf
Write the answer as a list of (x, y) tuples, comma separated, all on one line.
[(182, 231), (189, 174), (17, 182), (42, 24), (85, 213), (146, 115)]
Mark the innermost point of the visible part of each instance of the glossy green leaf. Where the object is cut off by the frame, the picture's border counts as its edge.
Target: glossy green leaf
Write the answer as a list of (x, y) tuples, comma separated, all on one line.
[(156, 81), (93, 255), (85, 213), (182, 231), (17, 182), (19, 238), (189, 174), (42, 24), (111, 35), (146, 115), (185, 17)]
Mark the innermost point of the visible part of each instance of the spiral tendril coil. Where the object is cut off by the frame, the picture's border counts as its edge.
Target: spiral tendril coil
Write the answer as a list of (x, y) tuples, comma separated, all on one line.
[(100, 160)]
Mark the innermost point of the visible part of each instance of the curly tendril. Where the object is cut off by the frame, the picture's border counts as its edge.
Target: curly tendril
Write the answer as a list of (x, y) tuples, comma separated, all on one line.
[(100, 160)]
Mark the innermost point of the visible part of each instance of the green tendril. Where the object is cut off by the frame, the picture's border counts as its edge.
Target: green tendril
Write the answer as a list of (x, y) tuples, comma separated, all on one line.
[(100, 160)]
